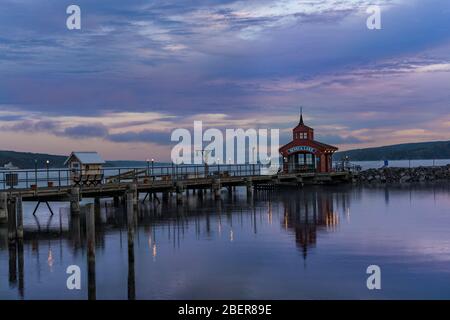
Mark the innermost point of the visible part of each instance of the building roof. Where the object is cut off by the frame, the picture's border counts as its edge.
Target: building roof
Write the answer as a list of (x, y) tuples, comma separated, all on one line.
[(86, 157)]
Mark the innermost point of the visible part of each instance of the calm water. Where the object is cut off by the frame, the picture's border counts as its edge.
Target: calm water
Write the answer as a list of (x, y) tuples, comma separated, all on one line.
[(314, 243)]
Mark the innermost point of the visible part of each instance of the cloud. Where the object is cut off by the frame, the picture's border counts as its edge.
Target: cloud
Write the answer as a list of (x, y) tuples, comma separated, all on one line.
[(143, 68), (336, 139), (144, 136), (86, 131)]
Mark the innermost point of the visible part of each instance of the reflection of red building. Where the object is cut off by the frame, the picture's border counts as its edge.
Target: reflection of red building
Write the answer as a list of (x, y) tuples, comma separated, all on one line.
[(303, 153)]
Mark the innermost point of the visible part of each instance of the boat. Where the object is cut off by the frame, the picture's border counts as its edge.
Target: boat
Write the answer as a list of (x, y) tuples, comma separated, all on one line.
[(9, 166)]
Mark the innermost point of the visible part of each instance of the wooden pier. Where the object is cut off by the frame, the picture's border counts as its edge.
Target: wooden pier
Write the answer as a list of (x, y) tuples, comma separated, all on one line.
[(125, 186)]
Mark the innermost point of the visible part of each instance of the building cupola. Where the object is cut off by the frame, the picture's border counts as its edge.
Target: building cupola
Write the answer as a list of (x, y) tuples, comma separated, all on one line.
[(301, 131)]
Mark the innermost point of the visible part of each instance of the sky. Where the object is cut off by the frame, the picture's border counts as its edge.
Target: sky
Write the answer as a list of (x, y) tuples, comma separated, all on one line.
[(139, 69)]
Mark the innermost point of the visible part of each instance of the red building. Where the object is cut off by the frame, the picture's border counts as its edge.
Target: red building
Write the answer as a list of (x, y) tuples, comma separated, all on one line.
[(303, 153)]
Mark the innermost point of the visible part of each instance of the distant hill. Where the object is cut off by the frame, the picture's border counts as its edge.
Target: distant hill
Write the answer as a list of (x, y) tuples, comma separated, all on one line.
[(407, 151), (26, 160)]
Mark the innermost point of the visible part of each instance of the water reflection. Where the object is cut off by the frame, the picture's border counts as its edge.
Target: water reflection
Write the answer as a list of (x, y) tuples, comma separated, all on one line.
[(99, 230), (310, 211)]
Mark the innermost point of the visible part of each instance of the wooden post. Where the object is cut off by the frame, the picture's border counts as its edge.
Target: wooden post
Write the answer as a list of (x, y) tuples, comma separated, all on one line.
[(90, 237), (12, 222), (179, 191), (75, 201), (19, 212), (249, 188), (3, 208), (97, 210), (132, 194), (216, 188), (130, 216)]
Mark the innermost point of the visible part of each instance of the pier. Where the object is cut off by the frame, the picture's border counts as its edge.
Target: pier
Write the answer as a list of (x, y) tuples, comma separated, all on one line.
[(127, 185)]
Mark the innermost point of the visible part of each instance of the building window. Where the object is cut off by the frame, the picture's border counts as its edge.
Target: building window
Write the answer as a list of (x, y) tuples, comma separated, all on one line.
[(309, 159), (75, 165)]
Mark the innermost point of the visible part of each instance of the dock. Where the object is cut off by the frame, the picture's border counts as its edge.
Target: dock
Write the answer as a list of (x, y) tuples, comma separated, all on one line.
[(126, 185)]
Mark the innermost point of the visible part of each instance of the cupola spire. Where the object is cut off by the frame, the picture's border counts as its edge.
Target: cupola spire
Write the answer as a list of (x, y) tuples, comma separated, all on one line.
[(301, 116)]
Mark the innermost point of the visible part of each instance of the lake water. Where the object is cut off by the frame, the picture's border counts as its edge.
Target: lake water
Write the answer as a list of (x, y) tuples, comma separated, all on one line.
[(314, 243)]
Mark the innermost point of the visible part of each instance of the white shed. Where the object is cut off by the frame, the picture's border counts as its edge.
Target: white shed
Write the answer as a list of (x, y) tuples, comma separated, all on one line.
[(85, 165)]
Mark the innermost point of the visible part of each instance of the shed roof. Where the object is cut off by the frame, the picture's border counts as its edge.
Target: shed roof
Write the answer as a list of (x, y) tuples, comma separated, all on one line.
[(86, 157)]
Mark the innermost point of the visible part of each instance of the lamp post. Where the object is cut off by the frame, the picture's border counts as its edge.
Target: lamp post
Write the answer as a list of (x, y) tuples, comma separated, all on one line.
[(35, 172), (218, 166), (48, 176), (148, 167), (153, 167)]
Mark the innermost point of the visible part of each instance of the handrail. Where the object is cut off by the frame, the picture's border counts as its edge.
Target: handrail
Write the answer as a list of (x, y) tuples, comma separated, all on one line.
[(54, 177)]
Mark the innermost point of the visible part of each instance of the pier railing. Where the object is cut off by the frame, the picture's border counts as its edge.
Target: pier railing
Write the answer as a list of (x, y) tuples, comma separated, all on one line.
[(46, 178)]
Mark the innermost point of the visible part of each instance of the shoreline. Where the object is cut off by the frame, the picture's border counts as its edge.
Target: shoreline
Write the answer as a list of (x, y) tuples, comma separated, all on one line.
[(392, 175)]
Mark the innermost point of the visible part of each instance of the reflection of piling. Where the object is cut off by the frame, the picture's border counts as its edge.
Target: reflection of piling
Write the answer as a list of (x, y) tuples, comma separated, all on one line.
[(20, 267), (130, 226), (165, 197), (90, 236), (116, 200), (12, 264)]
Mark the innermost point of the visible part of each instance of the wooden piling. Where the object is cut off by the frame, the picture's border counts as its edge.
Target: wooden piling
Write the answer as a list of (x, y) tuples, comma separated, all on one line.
[(249, 187), (130, 216), (12, 222), (75, 201), (19, 213), (179, 192), (3, 208), (97, 210), (216, 188)]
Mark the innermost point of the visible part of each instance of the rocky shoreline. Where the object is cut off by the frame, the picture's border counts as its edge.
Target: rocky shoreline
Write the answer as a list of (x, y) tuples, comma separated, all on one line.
[(403, 175)]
